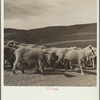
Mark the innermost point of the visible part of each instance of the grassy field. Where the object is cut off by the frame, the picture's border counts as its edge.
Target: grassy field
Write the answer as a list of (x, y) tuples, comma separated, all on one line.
[(52, 34), (77, 43)]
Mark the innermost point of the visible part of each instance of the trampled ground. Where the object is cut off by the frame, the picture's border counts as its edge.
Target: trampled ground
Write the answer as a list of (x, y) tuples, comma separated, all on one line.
[(51, 78)]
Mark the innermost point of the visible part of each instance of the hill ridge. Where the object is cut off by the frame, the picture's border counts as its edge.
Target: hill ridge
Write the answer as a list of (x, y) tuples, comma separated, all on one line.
[(52, 34)]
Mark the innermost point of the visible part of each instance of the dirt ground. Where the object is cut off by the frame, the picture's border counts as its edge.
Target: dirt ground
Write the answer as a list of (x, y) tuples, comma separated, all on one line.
[(51, 78)]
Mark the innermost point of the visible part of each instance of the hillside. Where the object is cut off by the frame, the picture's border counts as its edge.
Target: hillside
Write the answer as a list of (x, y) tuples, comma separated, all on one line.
[(52, 34)]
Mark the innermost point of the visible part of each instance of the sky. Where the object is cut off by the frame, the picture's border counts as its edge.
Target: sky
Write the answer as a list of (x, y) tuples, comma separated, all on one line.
[(31, 14)]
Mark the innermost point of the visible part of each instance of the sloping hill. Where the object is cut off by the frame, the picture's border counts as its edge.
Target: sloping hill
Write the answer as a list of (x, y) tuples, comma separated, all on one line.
[(53, 34)]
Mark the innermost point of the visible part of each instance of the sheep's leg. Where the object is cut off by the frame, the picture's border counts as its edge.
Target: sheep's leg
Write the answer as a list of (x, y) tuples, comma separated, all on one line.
[(37, 67), (14, 66), (93, 63), (66, 64), (22, 67), (83, 65), (11, 64), (70, 64), (80, 64), (41, 66)]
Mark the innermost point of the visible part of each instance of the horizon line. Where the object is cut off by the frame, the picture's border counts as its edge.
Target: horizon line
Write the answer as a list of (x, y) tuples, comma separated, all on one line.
[(50, 26)]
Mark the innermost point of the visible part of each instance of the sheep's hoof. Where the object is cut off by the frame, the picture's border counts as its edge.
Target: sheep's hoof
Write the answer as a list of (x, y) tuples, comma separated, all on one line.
[(83, 74), (13, 72)]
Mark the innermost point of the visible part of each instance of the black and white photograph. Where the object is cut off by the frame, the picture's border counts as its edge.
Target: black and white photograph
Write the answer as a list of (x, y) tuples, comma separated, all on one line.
[(50, 43)]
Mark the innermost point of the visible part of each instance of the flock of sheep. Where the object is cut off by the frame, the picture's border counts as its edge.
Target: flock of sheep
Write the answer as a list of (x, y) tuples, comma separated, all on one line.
[(22, 55)]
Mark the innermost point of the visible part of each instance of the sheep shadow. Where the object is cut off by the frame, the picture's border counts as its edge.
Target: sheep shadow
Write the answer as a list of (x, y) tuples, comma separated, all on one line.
[(87, 72), (57, 72), (51, 72)]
